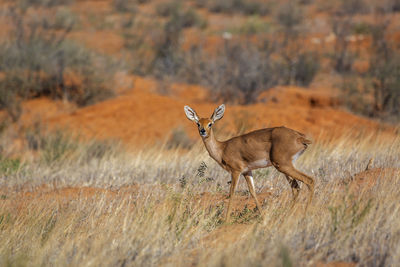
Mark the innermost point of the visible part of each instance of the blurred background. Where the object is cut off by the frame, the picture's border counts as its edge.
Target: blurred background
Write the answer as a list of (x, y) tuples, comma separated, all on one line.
[(124, 69), (99, 165)]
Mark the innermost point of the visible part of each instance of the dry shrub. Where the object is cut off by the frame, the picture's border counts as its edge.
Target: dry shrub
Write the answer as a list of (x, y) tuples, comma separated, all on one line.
[(380, 86), (238, 73), (37, 60), (179, 139), (125, 6), (342, 57), (24, 4), (60, 146), (385, 73), (297, 65)]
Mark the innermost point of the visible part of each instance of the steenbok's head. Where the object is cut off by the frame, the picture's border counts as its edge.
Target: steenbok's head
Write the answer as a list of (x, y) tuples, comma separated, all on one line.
[(204, 124)]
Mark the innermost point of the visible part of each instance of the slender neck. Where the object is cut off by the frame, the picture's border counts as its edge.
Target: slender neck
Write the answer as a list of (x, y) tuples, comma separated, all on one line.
[(213, 147)]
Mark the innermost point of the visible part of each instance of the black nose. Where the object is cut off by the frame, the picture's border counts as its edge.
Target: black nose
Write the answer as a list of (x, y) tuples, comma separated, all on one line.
[(202, 131)]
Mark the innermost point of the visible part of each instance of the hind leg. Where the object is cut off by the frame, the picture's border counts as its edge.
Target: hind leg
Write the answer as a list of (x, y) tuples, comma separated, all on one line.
[(286, 167), (299, 176), (295, 188), (285, 149)]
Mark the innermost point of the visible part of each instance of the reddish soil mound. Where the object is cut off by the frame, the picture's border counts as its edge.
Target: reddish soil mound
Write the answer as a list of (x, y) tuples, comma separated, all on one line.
[(43, 109), (367, 179), (144, 116)]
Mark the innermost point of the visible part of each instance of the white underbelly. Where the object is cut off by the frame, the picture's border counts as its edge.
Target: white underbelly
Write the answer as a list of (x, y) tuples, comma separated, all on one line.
[(262, 163)]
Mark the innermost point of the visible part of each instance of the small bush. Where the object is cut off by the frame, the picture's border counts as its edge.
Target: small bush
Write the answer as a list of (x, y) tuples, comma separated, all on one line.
[(223, 6), (99, 149), (200, 3), (352, 7), (182, 17), (289, 16), (247, 7), (10, 102), (394, 5), (57, 147), (255, 8), (179, 139), (253, 25), (191, 18), (124, 6), (362, 28), (355, 95), (342, 57), (64, 19), (166, 9), (305, 68)]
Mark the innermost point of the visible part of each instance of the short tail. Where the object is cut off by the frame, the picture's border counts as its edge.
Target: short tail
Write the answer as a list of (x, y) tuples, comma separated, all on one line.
[(302, 139)]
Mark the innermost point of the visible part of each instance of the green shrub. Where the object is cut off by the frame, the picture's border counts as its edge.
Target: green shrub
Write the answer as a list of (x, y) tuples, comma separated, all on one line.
[(362, 28), (253, 25), (247, 7), (9, 166)]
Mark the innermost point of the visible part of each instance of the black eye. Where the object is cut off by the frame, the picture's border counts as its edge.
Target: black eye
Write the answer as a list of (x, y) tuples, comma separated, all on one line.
[(198, 124), (209, 125)]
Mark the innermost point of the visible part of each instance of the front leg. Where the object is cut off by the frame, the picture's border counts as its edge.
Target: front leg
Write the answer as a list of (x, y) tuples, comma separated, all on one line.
[(235, 178), (250, 183)]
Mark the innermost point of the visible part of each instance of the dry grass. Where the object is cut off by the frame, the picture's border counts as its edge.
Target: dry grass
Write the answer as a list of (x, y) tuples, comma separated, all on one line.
[(147, 208)]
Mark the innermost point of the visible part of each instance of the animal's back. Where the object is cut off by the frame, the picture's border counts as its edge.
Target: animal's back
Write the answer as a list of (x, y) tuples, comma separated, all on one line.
[(260, 141)]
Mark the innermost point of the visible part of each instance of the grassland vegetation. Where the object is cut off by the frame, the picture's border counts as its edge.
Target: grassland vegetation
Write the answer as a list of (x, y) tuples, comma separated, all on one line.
[(95, 204)]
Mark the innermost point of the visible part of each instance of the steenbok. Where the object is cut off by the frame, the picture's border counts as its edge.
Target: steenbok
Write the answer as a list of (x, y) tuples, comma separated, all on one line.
[(278, 147)]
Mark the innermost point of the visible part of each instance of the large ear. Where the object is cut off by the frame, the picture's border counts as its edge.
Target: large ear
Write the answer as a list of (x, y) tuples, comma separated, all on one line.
[(218, 113), (191, 114)]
